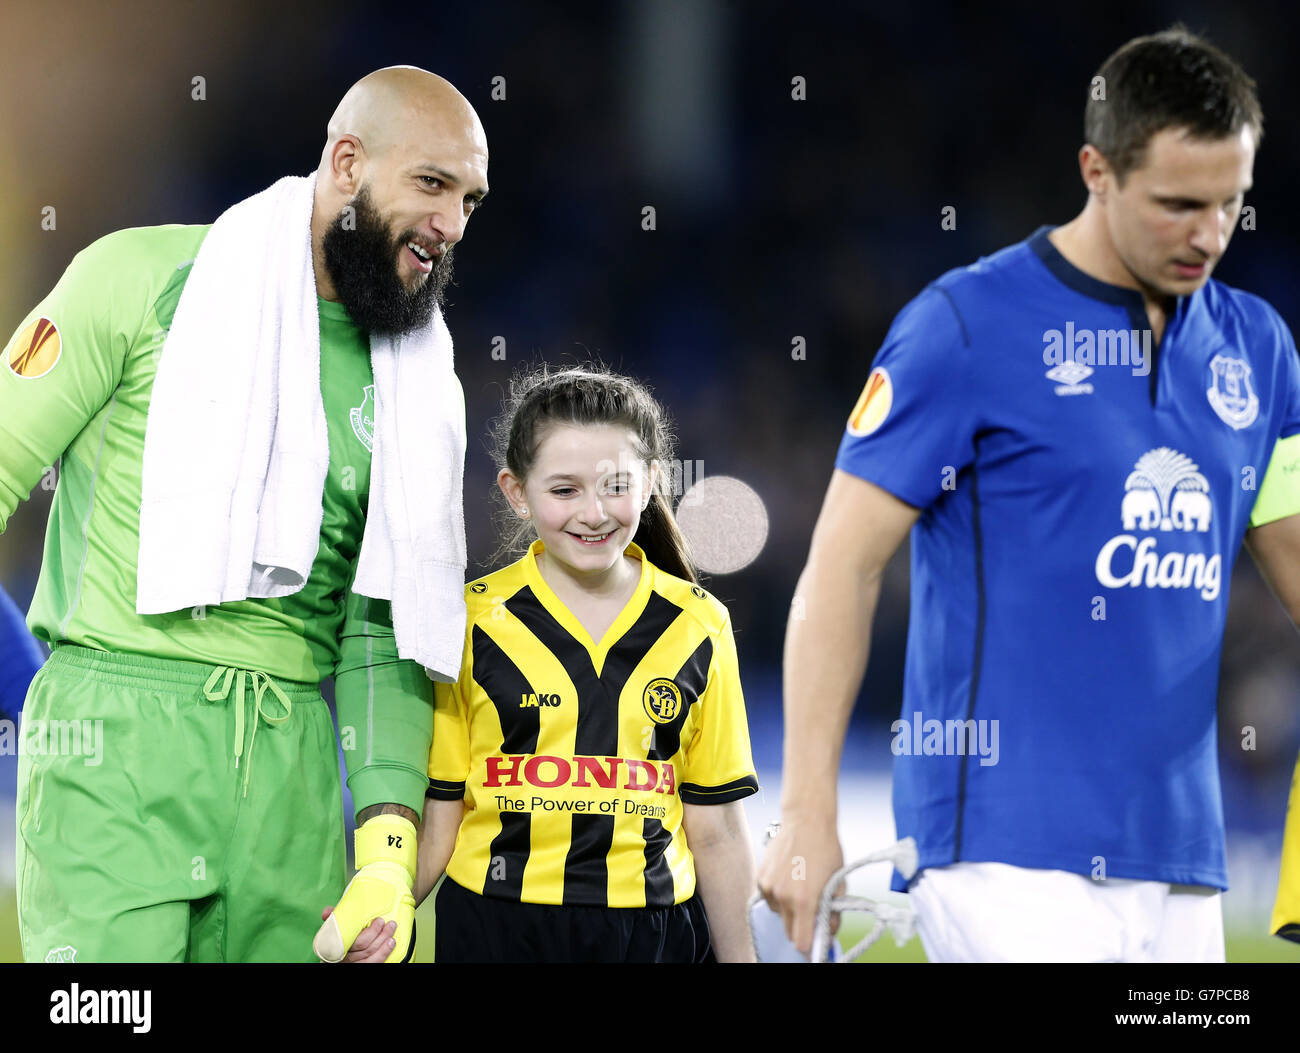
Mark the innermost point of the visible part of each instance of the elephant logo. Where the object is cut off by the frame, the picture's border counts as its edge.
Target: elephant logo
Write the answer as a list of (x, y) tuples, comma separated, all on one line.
[(1190, 510), (1140, 509), (1166, 491), (1230, 393)]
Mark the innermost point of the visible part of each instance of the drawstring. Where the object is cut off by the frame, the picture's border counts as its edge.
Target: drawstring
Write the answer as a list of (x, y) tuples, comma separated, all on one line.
[(261, 681)]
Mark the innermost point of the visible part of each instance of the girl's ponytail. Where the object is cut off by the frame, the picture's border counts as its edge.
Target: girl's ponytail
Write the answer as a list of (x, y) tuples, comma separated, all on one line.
[(662, 541)]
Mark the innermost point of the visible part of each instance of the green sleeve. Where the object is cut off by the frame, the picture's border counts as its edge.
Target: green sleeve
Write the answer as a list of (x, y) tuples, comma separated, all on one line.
[(64, 362), (385, 709)]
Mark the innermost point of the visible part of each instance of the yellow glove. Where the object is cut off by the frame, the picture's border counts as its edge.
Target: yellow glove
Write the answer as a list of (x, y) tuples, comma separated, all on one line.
[(386, 849), (1286, 910)]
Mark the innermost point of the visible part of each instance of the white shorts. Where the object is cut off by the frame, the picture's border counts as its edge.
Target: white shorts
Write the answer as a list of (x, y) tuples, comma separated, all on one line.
[(994, 912)]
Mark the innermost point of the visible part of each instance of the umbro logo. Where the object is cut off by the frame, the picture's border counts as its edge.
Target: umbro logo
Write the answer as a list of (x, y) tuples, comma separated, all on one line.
[(1068, 376)]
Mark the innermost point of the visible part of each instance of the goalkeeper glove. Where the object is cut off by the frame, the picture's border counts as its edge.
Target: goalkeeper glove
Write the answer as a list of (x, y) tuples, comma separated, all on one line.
[(386, 850)]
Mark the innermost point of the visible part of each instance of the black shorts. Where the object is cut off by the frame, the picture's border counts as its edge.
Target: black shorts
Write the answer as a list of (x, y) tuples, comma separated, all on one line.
[(470, 927)]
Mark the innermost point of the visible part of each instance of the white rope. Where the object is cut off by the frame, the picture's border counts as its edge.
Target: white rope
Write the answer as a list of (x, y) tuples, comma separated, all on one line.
[(898, 920)]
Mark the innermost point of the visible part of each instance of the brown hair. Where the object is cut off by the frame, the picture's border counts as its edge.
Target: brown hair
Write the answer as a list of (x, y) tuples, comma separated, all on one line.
[(1172, 79), (589, 394)]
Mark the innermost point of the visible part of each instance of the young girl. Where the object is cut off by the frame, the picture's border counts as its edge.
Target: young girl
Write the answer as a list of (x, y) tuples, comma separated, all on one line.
[(588, 767)]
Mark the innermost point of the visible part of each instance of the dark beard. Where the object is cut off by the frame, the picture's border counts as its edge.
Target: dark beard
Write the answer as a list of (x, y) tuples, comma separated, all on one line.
[(362, 264)]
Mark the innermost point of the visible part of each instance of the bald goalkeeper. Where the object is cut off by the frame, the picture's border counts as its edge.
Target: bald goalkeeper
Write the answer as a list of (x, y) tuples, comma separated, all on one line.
[(178, 792)]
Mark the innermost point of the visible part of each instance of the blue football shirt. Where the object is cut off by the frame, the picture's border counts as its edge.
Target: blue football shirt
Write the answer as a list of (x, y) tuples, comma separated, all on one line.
[(1083, 496), (20, 658)]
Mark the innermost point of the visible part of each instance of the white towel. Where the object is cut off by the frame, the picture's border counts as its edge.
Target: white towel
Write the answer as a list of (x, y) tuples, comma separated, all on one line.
[(236, 448)]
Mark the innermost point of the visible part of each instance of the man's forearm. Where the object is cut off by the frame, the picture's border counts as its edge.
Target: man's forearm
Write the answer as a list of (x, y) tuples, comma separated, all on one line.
[(388, 809), (1275, 547), (826, 647), (386, 725)]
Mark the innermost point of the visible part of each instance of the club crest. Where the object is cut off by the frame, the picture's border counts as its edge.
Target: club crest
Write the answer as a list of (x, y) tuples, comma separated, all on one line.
[(363, 419), (1230, 393)]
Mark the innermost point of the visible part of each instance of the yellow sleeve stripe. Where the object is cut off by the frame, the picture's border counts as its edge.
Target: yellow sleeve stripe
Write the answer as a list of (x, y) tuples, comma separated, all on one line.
[(1279, 493)]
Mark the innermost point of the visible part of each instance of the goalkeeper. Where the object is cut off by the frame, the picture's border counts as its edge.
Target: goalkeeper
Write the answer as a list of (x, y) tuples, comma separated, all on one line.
[(208, 824)]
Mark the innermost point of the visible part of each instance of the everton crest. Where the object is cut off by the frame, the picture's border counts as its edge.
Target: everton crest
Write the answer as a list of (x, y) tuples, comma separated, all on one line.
[(1230, 392), (363, 419)]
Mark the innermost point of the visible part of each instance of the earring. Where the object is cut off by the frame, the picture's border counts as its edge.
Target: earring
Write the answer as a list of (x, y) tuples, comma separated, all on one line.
[(524, 511)]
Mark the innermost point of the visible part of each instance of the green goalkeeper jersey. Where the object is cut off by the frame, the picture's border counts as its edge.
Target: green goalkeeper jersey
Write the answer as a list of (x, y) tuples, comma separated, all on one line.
[(75, 384)]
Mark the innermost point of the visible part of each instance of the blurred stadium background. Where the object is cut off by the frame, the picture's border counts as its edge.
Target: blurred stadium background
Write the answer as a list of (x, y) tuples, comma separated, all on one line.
[(776, 219)]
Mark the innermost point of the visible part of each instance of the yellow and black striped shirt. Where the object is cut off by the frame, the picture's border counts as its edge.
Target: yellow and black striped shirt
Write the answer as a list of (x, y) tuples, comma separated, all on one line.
[(574, 757)]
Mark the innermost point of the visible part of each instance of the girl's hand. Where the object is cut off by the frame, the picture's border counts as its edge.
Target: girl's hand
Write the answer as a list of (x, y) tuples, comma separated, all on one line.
[(373, 944)]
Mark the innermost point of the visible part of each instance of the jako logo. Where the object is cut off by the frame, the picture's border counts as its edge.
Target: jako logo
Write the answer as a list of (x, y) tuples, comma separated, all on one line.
[(583, 772), (527, 701), (1164, 492)]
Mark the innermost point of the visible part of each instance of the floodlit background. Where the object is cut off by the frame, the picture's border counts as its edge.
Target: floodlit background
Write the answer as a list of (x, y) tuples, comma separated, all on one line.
[(776, 219)]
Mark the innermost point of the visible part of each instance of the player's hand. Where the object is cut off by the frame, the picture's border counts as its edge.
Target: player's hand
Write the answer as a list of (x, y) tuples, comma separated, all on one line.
[(798, 862), (386, 857), (374, 944)]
